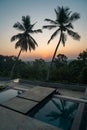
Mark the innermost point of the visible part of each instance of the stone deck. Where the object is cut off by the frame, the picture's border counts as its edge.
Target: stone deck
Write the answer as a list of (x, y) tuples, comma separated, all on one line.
[(11, 120), (13, 112), (29, 99), (37, 93), (19, 104)]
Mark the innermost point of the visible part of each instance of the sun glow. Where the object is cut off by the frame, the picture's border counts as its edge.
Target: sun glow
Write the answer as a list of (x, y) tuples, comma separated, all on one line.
[(72, 47)]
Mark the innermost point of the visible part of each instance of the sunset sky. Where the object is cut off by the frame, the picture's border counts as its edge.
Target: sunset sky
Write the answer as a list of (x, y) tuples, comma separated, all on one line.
[(11, 11)]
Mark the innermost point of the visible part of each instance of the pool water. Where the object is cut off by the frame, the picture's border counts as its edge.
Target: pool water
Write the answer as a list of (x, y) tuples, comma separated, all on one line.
[(57, 112), (8, 94)]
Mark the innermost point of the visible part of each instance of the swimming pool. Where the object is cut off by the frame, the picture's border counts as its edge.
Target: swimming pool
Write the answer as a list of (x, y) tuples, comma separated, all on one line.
[(8, 94), (57, 112)]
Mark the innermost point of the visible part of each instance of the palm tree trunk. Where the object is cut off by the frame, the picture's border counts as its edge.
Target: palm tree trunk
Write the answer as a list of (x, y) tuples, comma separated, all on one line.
[(48, 73), (11, 75)]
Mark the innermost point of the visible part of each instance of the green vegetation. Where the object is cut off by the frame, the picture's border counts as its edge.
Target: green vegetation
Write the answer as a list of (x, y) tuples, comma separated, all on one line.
[(24, 40), (1, 87), (60, 70), (63, 70), (63, 25)]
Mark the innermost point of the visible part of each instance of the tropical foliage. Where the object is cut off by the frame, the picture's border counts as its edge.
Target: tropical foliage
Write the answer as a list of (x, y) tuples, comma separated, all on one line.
[(24, 40), (67, 71), (63, 25)]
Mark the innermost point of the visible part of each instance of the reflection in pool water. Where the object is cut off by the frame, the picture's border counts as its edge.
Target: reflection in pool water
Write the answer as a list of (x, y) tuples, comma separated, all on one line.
[(8, 94), (57, 112)]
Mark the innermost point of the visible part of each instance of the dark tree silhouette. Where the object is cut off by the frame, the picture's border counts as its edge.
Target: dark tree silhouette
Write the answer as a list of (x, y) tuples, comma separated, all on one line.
[(24, 40), (63, 23), (60, 60), (83, 57)]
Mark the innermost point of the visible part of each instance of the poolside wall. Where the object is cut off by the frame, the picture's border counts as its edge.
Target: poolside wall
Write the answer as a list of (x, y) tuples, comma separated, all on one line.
[(4, 78), (80, 120), (56, 85)]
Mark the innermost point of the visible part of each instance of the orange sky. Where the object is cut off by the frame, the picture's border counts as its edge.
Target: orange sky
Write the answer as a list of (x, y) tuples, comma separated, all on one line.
[(39, 11)]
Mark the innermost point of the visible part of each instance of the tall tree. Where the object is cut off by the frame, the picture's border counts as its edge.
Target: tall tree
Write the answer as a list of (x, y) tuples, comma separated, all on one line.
[(83, 57), (64, 24), (24, 40), (60, 60)]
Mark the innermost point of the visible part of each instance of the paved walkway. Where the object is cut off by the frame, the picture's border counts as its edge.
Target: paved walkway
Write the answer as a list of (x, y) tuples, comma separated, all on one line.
[(37, 93), (70, 93), (20, 105), (11, 120), (12, 112), (29, 99)]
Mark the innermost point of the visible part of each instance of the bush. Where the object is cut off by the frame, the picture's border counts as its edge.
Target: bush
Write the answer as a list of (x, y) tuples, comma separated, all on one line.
[(1, 87), (83, 76)]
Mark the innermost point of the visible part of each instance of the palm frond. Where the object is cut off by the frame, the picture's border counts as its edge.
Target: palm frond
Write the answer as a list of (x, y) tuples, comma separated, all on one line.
[(33, 40), (31, 44), (17, 44), (24, 45), (19, 26), (67, 11), (49, 27), (36, 31), (54, 35), (75, 16), (74, 35), (63, 38), (26, 21), (23, 18), (31, 27), (16, 37), (57, 11), (51, 21), (63, 15), (69, 25)]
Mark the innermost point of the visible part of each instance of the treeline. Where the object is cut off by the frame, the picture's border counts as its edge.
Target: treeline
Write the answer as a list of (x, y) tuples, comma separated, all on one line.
[(63, 70)]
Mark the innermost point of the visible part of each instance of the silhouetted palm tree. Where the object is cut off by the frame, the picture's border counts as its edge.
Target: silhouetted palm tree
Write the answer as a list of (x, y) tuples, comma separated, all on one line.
[(24, 40), (63, 23)]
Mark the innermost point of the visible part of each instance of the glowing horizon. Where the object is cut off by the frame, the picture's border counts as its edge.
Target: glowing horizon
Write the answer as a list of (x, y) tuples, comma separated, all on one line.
[(38, 11)]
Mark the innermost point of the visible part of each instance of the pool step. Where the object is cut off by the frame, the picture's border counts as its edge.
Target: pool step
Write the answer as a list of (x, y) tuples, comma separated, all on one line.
[(37, 93), (19, 105), (26, 101)]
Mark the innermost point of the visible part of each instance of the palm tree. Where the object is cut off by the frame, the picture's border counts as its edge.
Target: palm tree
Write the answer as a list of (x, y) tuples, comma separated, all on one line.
[(63, 23), (24, 40)]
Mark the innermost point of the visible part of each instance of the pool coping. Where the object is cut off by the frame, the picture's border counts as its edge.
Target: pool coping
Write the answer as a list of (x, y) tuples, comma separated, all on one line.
[(11, 120), (79, 122)]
